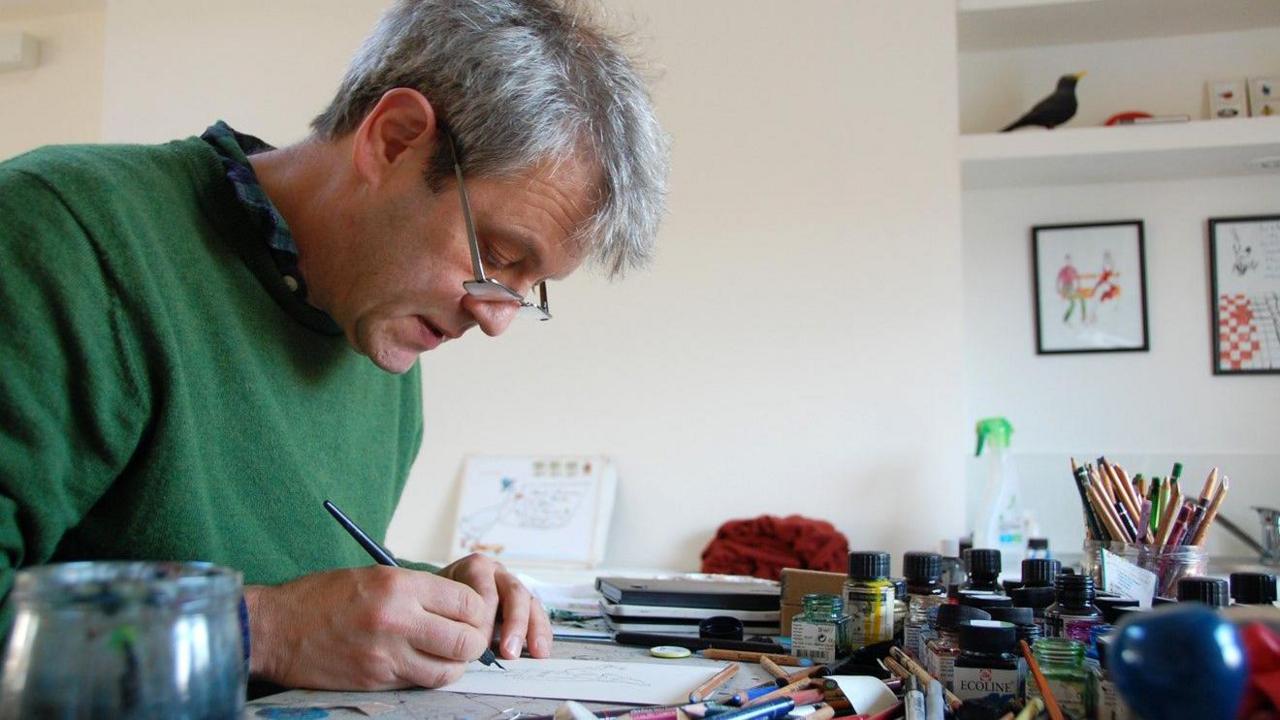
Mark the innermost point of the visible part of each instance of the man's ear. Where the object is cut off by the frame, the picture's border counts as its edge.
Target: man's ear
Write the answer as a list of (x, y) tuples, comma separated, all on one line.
[(400, 129)]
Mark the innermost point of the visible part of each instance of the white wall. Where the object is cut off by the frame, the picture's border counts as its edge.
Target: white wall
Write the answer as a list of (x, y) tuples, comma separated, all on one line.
[(797, 346), (60, 100), (1144, 409)]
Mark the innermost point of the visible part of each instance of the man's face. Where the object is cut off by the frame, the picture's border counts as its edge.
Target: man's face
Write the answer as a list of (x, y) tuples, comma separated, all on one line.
[(398, 291)]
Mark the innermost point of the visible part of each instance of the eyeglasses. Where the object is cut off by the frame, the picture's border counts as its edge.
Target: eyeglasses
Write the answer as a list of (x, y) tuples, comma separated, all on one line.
[(486, 288)]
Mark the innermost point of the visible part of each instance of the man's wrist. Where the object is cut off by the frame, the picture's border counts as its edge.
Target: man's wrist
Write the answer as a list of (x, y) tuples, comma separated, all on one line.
[(259, 631)]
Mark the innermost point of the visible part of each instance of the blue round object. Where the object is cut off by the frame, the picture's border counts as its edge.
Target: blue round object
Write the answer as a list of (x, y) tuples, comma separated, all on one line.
[(1179, 661)]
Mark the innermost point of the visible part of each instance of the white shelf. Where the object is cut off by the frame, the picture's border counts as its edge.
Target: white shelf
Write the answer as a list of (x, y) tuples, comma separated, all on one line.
[(1070, 156), (1003, 24)]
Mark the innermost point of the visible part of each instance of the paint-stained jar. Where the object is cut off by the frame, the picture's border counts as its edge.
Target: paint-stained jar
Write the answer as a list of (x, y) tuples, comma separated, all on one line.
[(125, 640)]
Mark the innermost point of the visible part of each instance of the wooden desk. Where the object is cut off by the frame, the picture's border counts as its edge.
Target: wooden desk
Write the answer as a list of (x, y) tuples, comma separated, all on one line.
[(432, 704)]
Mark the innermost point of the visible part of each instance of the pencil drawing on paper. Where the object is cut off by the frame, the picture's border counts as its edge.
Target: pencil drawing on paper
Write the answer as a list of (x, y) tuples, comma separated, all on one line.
[(541, 509), (525, 505), (610, 674)]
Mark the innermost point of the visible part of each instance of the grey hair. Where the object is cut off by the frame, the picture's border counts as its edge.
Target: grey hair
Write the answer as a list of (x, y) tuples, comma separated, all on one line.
[(520, 82)]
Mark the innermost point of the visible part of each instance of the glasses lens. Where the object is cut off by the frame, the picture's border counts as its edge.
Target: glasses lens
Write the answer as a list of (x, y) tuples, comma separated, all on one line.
[(491, 290)]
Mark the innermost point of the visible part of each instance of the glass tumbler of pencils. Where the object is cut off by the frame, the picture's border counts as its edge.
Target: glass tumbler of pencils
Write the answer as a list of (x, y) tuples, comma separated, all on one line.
[(1170, 563), (125, 640)]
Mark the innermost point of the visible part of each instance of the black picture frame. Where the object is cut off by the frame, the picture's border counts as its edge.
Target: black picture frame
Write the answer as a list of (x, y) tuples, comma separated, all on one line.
[(1118, 327), (1244, 294)]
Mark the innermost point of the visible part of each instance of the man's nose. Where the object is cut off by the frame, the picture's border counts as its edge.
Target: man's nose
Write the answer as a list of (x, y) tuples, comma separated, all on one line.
[(493, 317)]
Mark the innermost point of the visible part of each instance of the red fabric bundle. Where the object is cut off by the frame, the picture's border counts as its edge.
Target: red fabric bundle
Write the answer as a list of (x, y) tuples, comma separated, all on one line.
[(761, 547)]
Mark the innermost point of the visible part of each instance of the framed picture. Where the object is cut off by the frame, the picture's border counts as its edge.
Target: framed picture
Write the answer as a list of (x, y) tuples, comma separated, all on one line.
[(1090, 287), (1244, 270)]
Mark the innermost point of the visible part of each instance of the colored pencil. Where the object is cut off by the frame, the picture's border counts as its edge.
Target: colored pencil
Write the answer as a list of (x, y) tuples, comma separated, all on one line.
[(1050, 703), (747, 656), (923, 675), (703, 691), (1203, 531), (772, 668), (783, 691)]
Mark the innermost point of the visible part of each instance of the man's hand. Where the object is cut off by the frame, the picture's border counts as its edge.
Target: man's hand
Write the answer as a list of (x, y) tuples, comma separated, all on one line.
[(371, 628), (523, 620)]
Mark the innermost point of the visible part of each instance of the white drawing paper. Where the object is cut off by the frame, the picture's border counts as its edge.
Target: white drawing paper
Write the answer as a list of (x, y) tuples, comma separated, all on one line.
[(586, 680), (549, 510)]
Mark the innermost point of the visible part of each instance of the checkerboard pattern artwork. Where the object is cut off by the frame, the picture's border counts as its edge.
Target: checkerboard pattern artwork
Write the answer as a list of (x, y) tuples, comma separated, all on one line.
[(1248, 332)]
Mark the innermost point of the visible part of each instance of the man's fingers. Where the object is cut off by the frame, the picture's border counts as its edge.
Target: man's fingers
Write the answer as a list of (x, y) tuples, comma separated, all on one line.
[(425, 670), (515, 613), (539, 637), (453, 600), (447, 639)]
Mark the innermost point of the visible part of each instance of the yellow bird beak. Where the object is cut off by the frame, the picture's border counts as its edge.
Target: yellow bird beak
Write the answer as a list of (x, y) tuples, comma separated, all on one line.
[(1081, 74)]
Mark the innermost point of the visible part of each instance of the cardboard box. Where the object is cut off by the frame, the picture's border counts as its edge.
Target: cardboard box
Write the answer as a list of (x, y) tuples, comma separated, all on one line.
[(797, 583)]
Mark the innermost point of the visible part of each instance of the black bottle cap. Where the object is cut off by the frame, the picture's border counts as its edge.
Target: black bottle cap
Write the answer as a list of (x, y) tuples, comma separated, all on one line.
[(983, 562), (899, 588), (985, 601), (1253, 588), (1114, 607), (950, 616), (988, 636), (1213, 592), (1037, 543), (1015, 615), (1010, 585), (868, 565), (1040, 572), (1037, 598), (1074, 589), (922, 567), (1030, 633)]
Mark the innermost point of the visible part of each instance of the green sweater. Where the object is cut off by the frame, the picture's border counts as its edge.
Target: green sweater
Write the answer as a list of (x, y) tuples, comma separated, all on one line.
[(163, 395)]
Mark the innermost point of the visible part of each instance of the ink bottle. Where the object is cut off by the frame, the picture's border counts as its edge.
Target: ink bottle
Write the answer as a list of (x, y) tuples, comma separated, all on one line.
[(1027, 630), (899, 609), (941, 651), (1213, 592), (924, 591), (1036, 598), (821, 631), (1091, 647), (1074, 612), (1062, 664), (987, 670), (1110, 705), (985, 600), (984, 572), (952, 566), (1040, 572), (1249, 588), (869, 597)]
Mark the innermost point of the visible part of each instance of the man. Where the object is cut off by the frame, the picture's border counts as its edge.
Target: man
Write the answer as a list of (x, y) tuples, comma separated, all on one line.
[(183, 326)]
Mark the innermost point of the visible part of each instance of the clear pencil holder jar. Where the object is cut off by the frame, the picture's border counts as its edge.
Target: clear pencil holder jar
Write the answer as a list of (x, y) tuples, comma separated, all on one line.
[(125, 640), (1169, 564)]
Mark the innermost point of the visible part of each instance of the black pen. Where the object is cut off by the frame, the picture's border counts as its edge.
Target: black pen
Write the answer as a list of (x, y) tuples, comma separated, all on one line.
[(380, 554)]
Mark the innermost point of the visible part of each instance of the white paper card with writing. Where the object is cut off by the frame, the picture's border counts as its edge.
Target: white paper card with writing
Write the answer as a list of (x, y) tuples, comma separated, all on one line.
[(1125, 579)]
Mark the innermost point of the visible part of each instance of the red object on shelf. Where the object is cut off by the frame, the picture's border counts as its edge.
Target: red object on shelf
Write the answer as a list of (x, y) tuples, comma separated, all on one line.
[(1262, 649), (1127, 115)]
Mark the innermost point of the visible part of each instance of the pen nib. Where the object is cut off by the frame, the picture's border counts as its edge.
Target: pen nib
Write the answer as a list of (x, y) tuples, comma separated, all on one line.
[(495, 662)]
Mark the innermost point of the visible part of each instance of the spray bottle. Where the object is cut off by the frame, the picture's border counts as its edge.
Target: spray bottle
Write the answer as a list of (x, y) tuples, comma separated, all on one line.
[(1000, 522)]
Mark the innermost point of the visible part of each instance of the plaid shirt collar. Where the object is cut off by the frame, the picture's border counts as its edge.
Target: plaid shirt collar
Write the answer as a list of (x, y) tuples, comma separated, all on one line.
[(233, 149)]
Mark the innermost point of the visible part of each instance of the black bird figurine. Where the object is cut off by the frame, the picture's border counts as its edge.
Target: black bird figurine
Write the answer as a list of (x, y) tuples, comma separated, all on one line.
[(1054, 110)]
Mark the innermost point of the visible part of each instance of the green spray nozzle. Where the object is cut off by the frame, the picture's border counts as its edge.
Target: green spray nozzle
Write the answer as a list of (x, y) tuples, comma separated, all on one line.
[(994, 431)]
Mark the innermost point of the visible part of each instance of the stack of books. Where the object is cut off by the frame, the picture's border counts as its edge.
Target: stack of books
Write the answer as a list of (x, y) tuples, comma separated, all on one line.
[(676, 605)]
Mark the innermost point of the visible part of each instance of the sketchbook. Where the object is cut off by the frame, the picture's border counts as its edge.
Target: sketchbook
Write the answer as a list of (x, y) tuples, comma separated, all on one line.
[(586, 680), (543, 510)]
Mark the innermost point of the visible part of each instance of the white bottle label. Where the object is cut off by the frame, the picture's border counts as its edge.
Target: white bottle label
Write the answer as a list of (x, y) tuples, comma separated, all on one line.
[(994, 685), (918, 606), (1070, 696), (816, 641)]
